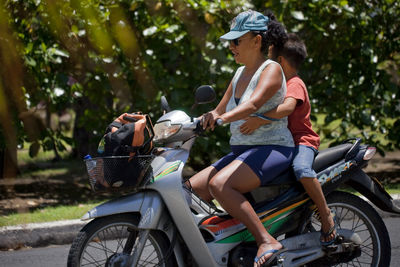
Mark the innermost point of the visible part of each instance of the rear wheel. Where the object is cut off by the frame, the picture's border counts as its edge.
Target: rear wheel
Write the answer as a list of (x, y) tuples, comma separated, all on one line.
[(357, 215), (108, 241)]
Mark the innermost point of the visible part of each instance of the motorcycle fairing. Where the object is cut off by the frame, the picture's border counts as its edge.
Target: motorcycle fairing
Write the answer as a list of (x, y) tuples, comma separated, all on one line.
[(230, 230), (373, 190), (124, 204), (171, 168), (334, 172), (186, 225)]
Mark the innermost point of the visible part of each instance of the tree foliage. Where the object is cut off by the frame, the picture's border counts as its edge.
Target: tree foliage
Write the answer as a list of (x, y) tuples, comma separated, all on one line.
[(352, 71), (100, 58)]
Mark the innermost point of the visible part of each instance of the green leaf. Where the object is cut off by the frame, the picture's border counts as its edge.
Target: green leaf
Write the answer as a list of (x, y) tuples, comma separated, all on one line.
[(297, 15), (43, 46), (30, 61), (28, 48), (34, 149), (59, 52)]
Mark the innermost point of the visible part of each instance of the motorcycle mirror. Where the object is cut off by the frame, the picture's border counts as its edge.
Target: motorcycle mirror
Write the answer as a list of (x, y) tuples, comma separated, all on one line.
[(164, 104), (204, 94)]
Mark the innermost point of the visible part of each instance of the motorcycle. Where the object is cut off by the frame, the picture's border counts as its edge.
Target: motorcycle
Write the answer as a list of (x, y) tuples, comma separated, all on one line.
[(163, 223)]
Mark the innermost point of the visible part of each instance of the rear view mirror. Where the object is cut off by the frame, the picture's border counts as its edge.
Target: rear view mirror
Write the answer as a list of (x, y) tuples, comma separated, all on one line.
[(204, 94), (164, 105)]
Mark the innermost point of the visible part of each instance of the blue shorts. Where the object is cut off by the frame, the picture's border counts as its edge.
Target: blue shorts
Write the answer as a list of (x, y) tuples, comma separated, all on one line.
[(303, 161), (267, 162)]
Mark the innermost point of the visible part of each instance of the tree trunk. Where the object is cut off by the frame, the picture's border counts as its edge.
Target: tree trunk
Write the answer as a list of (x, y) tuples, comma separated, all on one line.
[(8, 163), (1, 162), (82, 137)]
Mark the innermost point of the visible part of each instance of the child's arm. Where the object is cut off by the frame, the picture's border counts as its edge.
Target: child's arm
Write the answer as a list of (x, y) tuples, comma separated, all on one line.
[(281, 111)]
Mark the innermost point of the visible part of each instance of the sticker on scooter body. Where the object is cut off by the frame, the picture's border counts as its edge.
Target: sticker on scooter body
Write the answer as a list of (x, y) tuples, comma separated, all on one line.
[(173, 167), (332, 174)]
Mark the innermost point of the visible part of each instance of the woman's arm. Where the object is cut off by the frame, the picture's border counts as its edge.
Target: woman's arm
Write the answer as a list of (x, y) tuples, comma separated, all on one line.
[(208, 119), (269, 83), (281, 111)]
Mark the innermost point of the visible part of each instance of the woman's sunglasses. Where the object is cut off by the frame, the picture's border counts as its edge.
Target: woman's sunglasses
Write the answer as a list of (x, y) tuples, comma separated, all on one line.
[(237, 41)]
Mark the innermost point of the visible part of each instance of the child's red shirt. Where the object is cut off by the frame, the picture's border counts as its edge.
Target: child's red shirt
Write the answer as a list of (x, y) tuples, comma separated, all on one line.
[(299, 122)]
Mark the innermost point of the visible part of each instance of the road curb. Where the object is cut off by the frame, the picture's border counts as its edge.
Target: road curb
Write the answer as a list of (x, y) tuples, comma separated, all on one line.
[(64, 232), (39, 234)]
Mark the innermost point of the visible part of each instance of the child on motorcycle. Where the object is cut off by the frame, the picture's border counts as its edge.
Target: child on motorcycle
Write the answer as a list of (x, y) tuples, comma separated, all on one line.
[(297, 107)]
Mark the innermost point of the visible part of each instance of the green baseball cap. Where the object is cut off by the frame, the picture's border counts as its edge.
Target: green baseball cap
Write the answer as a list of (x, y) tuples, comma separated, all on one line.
[(246, 21)]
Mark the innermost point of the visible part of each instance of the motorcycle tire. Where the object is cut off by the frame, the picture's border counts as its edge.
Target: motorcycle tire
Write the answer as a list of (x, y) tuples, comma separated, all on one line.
[(357, 215), (102, 241)]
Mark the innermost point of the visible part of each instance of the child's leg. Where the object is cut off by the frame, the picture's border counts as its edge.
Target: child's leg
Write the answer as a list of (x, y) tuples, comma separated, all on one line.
[(314, 190), (302, 166)]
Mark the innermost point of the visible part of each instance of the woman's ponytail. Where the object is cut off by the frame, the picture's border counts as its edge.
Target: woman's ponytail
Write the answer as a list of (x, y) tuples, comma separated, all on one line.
[(275, 35)]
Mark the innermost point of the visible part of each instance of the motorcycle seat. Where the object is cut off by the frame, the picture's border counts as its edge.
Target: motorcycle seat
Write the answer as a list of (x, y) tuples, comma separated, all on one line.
[(324, 159), (331, 155)]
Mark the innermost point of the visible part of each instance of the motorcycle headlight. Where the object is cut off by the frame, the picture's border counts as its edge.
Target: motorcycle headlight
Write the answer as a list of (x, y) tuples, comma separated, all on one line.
[(164, 130)]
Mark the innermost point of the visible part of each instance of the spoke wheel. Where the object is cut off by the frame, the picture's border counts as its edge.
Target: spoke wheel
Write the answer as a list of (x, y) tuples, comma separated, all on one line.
[(357, 215), (103, 242)]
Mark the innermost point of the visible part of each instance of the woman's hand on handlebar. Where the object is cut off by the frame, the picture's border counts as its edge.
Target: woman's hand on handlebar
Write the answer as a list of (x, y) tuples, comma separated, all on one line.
[(208, 120)]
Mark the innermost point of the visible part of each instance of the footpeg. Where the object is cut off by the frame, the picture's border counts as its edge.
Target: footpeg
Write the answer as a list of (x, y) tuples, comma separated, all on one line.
[(330, 248), (279, 261)]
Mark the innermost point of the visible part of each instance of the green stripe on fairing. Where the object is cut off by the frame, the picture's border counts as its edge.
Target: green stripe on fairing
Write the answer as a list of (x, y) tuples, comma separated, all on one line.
[(168, 170), (245, 235)]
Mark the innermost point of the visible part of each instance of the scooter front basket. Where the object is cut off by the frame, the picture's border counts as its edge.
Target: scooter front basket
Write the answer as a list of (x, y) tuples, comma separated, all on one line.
[(118, 173)]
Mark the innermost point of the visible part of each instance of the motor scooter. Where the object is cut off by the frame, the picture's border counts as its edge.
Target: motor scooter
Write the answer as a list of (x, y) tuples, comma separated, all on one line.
[(163, 223)]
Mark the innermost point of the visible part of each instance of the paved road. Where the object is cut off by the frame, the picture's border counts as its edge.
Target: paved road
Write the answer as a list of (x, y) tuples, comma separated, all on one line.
[(56, 256), (53, 256)]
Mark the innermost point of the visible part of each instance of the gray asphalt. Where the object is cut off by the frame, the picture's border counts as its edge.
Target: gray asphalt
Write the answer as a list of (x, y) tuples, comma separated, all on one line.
[(52, 256)]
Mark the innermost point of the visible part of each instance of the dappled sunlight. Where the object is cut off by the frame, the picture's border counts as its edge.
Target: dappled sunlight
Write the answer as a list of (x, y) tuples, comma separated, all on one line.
[(68, 68)]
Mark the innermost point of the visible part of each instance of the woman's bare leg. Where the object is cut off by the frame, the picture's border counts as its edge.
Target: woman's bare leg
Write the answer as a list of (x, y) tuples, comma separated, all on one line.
[(199, 183), (228, 186)]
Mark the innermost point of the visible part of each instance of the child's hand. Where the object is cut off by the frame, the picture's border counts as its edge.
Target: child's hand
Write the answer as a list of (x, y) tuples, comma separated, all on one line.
[(252, 124)]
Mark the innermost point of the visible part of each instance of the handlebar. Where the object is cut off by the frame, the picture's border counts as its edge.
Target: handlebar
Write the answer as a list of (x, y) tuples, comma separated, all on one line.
[(199, 127)]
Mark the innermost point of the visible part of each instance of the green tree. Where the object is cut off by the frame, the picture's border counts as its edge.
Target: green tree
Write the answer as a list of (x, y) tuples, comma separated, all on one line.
[(352, 71), (100, 58)]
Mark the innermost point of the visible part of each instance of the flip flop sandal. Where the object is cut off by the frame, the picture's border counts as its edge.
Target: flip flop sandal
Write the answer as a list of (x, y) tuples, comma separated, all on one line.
[(270, 260), (325, 235)]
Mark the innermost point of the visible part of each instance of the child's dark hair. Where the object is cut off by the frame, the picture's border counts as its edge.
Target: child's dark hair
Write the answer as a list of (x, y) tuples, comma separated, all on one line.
[(275, 35), (294, 51)]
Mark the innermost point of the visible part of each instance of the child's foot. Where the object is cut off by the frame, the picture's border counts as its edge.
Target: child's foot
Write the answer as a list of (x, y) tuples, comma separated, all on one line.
[(328, 229), (266, 251)]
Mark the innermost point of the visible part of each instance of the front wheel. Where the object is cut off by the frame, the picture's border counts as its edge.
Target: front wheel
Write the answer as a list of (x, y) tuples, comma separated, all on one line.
[(108, 241), (357, 215)]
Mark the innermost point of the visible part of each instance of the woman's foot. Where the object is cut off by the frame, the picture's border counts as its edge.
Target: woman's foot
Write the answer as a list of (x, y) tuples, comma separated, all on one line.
[(265, 251), (328, 229)]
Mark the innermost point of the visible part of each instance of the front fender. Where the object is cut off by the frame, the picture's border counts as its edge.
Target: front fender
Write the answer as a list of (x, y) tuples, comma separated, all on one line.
[(148, 203), (373, 191), (124, 204)]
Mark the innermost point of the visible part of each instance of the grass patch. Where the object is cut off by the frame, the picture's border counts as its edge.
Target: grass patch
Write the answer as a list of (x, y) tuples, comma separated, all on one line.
[(392, 189), (42, 156), (47, 214), (44, 165)]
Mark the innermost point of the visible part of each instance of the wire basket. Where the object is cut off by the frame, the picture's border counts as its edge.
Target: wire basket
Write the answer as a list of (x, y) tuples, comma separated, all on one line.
[(118, 173)]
